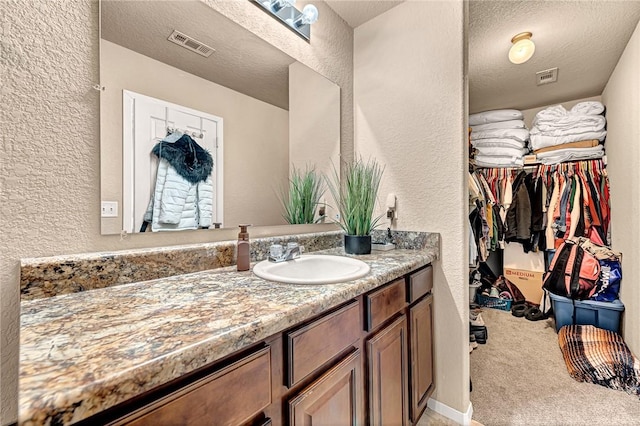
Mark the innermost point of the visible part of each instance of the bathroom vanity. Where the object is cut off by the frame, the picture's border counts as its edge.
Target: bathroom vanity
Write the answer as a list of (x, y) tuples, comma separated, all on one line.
[(226, 347)]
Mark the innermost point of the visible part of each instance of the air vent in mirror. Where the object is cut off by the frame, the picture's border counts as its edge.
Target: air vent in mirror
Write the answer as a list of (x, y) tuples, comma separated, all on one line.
[(190, 43), (547, 76)]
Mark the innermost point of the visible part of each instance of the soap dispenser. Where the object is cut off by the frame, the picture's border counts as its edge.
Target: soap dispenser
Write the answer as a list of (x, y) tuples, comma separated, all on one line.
[(243, 258)]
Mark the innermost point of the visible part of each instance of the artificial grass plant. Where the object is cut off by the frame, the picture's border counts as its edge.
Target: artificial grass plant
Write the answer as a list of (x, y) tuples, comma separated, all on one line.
[(356, 195), (302, 196)]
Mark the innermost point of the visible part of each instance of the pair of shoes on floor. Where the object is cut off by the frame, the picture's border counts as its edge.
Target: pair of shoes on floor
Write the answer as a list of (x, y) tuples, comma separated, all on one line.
[(479, 332), (532, 313), (475, 319), (473, 344)]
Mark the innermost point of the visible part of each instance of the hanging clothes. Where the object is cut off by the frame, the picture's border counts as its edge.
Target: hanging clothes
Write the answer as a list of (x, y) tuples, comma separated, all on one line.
[(518, 223), (535, 188), (579, 203), (541, 209)]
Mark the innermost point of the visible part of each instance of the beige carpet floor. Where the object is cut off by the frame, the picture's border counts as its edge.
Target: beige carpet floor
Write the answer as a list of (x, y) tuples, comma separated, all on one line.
[(519, 378)]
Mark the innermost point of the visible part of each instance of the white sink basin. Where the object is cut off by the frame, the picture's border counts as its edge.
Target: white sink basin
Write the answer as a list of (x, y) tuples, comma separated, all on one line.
[(312, 269)]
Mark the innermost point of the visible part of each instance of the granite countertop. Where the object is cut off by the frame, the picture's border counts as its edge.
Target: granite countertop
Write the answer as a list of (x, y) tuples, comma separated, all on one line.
[(85, 352)]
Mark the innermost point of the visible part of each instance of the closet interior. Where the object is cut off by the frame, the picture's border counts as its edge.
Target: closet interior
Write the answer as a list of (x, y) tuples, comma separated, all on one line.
[(541, 242), (529, 192)]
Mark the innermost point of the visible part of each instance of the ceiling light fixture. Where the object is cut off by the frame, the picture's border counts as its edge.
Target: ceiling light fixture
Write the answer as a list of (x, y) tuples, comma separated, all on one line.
[(522, 49), (286, 12)]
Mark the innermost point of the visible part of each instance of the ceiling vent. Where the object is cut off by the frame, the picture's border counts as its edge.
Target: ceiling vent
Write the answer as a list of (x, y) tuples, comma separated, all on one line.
[(547, 76), (190, 43)]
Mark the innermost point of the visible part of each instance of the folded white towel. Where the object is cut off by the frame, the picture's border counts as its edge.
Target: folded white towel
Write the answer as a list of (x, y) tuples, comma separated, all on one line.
[(488, 161), (570, 154), (516, 134), (588, 108), (543, 141), (511, 124), (501, 151), (495, 115), (499, 142), (586, 123)]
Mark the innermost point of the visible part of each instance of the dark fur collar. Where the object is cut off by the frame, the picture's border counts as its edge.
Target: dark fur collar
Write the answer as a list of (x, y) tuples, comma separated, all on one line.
[(190, 160)]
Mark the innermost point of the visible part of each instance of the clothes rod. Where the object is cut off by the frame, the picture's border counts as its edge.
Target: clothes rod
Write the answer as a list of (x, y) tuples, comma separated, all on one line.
[(603, 160), (527, 167)]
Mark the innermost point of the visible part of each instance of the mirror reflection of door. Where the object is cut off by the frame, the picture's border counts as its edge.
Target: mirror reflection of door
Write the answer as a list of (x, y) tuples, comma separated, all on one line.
[(146, 122)]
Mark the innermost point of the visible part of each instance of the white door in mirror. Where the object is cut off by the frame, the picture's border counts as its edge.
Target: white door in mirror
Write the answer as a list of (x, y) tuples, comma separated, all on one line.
[(313, 269), (147, 121)]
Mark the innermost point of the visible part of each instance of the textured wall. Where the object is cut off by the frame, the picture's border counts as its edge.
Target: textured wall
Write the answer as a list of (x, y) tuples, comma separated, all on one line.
[(314, 125), (49, 185), (50, 190), (409, 106), (622, 98)]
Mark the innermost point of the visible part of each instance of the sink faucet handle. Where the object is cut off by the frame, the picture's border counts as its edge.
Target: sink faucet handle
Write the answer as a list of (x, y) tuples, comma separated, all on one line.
[(276, 251)]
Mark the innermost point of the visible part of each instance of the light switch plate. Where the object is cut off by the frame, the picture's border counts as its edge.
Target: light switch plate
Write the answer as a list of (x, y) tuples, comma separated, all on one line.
[(109, 209)]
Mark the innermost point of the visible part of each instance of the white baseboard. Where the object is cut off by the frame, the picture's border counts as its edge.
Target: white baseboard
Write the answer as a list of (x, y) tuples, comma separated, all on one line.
[(450, 413)]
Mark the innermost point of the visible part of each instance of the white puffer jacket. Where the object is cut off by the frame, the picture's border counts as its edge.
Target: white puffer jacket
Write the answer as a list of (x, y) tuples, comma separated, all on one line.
[(183, 195), (178, 204)]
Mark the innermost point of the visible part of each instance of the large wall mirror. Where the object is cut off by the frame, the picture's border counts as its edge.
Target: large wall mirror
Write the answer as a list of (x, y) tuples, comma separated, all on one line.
[(175, 68)]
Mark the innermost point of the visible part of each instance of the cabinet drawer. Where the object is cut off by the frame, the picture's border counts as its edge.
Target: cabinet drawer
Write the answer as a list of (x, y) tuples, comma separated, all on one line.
[(312, 345), (420, 283), (230, 396), (383, 303)]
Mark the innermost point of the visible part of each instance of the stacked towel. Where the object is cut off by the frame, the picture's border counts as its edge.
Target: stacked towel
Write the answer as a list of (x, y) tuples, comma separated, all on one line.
[(499, 138), (556, 130)]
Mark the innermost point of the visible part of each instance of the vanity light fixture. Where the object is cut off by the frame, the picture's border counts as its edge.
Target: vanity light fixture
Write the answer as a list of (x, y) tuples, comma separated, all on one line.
[(308, 16), (276, 5), (522, 48), (286, 12)]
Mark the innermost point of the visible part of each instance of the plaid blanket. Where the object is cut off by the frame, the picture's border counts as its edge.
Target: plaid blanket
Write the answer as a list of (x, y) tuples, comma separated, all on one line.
[(599, 356)]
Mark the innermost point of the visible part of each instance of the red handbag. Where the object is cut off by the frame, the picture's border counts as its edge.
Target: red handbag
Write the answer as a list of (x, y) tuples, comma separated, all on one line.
[(573, 272)]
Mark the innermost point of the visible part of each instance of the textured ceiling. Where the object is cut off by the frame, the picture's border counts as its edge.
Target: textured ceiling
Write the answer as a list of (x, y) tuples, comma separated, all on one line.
[(584, 39), (242, 61), (357, 12)]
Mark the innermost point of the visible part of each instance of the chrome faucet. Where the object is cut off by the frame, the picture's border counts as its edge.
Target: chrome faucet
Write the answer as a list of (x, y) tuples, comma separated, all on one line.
[(278, 254)]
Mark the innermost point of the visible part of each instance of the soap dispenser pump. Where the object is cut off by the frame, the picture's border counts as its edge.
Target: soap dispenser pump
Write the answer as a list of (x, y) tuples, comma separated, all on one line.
[(243, 258)]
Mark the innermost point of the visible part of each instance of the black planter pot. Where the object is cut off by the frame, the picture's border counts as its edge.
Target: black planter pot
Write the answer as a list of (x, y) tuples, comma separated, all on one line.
[(357, 244)]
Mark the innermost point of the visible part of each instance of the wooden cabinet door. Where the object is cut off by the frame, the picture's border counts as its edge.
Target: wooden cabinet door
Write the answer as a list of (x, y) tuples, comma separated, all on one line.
[(335, 398), (421, 350), (387, 360)]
